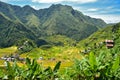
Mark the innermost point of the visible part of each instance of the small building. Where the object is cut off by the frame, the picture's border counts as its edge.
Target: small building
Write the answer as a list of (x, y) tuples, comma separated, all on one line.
[(109, 43)]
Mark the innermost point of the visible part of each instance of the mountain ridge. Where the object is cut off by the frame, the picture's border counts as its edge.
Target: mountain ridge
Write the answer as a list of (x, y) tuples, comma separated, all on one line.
[(58, 19)]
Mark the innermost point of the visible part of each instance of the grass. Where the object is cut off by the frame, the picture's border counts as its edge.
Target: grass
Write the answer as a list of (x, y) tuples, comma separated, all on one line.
[(2, 62), (8, 51)]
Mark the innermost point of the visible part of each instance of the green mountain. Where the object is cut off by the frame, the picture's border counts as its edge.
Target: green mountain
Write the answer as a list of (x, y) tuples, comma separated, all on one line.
[(11, 32), (38, 24)]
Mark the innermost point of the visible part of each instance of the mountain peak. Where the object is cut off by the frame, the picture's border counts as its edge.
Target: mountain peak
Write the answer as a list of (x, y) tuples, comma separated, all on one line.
[(56, 5), (59, 6), (27, 7)]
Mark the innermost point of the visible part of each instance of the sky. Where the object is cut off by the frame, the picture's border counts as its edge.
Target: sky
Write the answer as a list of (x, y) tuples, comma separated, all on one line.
[(108, 10)]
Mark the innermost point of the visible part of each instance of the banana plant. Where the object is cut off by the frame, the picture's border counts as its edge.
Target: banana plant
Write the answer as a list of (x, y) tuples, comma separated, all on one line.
[(1, 73), (12, 71), (97, 67), (51, 74), (32, 71), (35, 71)]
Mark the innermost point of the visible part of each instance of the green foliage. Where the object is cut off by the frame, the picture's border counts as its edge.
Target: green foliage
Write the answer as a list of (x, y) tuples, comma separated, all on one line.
[(25, 45), (97, 68), (11, 32), (116, 65), (12, 71), (56, 68), (32, 71), (1, 73), (92, 61), (41, 42)]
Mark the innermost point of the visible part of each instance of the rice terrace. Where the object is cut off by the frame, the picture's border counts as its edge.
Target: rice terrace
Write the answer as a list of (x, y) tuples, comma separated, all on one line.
[(59, 40)]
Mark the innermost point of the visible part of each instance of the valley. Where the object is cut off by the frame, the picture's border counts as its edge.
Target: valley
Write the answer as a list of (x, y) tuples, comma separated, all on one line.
[(56, 43)]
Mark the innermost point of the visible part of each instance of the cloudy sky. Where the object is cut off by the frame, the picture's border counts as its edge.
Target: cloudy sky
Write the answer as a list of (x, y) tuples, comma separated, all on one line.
[(108, 10)]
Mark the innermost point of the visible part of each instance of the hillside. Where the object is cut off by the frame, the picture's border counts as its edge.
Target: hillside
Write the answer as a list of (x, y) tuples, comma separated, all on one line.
[(97, 40), (36, 24), (11, 32)]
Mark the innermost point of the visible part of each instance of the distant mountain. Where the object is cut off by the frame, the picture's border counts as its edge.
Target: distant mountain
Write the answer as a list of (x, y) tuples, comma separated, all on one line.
[(56, 20)]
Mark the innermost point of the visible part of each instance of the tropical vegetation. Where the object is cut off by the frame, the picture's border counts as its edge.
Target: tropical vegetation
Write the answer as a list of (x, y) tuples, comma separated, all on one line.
[(56, 43)]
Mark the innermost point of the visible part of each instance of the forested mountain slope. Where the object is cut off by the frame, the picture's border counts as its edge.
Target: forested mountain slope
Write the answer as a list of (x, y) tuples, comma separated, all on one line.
[(26, 22)]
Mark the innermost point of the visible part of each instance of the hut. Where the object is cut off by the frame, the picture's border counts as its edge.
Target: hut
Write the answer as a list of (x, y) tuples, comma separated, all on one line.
[(109, 43)]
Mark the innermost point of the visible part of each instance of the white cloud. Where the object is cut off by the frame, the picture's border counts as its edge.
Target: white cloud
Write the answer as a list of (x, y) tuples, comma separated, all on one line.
[(82, 1), (58, 1), (78, 8), (108, 18), (35, 7), (47, 1), (92, 9), (102, 14)]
